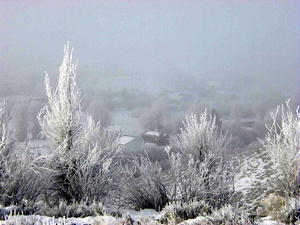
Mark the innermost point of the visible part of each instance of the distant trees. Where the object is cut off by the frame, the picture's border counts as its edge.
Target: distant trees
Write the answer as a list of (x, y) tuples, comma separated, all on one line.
[(20, 117), (100, 111), (156, 117), (82, 149), (34, 128)]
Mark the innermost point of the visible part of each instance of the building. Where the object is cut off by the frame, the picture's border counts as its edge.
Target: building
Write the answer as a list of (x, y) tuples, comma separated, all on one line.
[(156, 137), (129, 143)]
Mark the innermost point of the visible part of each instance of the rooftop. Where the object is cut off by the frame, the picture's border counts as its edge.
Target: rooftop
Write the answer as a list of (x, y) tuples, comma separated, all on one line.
[(154, 133), (125, 139)]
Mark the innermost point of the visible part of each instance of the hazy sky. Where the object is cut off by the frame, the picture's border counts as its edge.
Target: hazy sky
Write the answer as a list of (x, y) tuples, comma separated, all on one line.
[(137, 41)]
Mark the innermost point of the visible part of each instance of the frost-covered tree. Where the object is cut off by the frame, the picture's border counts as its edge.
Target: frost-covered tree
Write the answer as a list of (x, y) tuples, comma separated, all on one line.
[(199, 169), (82, 149), (62, 119), (282, 143)]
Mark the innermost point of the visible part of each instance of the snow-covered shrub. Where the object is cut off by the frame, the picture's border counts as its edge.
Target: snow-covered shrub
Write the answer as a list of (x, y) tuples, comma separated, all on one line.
[(282, 144), (145, 186), (6, 140), (186, 210), (199, 171), (209, 180), (289, 214), (272, 204), (21, 179), (145, 221), (200, 135), (280, 208), (227, 215), (75, 209), (82, 150), (253, 174), (19, 168)]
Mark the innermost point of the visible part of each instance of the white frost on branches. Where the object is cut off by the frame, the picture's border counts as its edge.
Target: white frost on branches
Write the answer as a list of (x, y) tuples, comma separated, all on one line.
[(82, 149), (5, 137), (62, 120), (282, 143), (200, 135), (199, 169)]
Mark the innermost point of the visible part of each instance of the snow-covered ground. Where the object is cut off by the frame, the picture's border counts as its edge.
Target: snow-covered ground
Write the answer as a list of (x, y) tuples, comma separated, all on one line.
[(100, 220), (252, 178), (43, 220), (137, 218)]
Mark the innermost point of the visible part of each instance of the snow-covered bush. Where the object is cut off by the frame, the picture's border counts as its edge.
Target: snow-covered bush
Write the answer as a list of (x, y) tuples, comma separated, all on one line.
[(186, 210), (6, 143), (21, 179), (145, 186), (199, 170), (210, 180), (82, 151), (80, 209), (282, 144), (228, 215), (18, 167), (200, 135), (280, 208)]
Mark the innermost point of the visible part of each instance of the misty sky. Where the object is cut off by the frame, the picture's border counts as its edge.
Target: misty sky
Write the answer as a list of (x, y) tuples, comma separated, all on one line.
[(138, 41)]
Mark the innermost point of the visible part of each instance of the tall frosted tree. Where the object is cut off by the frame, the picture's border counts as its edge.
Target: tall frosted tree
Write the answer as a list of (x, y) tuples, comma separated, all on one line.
[(61, 119), (82, 149)]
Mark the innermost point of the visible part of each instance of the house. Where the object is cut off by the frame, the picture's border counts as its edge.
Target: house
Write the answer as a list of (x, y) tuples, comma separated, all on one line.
[(129, 143), (156, 137)]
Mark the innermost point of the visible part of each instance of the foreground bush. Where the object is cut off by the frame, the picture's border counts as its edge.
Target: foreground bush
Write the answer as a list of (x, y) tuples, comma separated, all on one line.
[(282, 146), (19, 168), (81, 209), (279, 208), (227, 215), (145, 185), (198, 171), (183, 211)]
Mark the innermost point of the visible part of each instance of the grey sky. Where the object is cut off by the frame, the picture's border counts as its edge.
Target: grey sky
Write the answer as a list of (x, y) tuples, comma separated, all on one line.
[(138, 41)]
